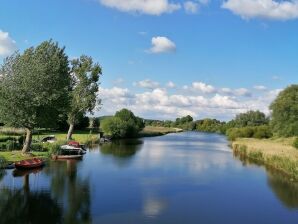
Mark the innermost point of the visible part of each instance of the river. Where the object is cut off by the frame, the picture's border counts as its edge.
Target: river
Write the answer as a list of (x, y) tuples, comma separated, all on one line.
[(186, 177)]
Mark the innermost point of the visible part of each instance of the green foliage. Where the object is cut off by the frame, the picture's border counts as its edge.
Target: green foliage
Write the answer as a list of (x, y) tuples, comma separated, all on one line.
[(12, 131), (263, 131), (85, 77), (295, 143), (285, 112), (123, 124), (94, 122), (250, 118), (34, 88), (209, 125)]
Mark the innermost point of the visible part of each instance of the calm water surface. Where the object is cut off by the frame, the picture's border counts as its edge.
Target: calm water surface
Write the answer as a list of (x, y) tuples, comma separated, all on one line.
[(178, 178)]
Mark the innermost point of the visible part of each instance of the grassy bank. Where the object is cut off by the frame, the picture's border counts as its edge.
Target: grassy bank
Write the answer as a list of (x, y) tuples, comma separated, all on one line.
[(276, 153), (151, 131), (84, 137), (14, 155)]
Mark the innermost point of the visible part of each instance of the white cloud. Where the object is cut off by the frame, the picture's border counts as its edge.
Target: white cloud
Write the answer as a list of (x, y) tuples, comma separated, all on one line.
[(170, 84), (162, 45), (7, 44), (260, 87), (159, 103), (191, 7), (268, 9), (203, 87), (150, 7), (242, 92), (147, 83)]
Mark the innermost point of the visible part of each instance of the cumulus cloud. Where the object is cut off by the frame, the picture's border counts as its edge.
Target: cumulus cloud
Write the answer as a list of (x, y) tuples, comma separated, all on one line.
[(7, 44), (191, 7), (268, 9), (170, 84), (203, 87), (206, 101), (162, 45), (260, 87), (150, 7), (147, 83)]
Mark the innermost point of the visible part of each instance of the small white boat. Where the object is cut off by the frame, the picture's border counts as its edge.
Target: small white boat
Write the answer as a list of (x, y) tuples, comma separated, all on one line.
[(72, 150), (69, 147)]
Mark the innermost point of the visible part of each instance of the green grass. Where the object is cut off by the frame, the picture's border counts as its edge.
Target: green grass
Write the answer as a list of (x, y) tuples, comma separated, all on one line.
[(84, 137), (151, 131), (15, 156)]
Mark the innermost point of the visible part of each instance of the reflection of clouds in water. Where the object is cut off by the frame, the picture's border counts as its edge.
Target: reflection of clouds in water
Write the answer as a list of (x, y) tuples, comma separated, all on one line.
[(153, 207), (193, 157)]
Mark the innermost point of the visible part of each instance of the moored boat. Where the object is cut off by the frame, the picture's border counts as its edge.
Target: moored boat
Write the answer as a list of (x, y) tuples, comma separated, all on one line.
[(29, 163), (76, 145), (55, 157)]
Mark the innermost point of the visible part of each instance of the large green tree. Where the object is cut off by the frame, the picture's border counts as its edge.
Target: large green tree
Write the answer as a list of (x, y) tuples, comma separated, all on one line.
[(85, 80), (123, 124), (34, 88), (250, 118), (285, 112)]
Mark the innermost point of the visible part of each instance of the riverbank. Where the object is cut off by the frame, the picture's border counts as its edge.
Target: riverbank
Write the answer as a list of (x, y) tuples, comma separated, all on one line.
[(276, 153), (152, 131), (40, 149)]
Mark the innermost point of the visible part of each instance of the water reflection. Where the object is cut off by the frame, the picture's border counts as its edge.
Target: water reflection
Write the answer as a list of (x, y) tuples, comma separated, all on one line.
[(122, 148), (65, 200), (71, 191), (282, 186), (23, 206), (2, 174), (284, 189)]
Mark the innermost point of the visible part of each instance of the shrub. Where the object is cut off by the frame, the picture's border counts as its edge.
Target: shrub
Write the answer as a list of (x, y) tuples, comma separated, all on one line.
[(38, 147), (263, 131), (295, 143), (249, 132)]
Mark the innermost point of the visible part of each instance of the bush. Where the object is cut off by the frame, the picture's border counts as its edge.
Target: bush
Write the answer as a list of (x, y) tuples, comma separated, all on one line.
[(38, 147), (9, 145), (123, 125), (295, 143), (249, 132)]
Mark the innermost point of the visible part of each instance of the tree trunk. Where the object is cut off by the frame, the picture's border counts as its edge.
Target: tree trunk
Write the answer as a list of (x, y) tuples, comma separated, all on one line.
[(28, 141), (70, 130)]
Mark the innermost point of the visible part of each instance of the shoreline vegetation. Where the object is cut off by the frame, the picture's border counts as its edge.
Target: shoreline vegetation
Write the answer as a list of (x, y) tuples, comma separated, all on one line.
[(151, 131), (276, 153), (87, 137)]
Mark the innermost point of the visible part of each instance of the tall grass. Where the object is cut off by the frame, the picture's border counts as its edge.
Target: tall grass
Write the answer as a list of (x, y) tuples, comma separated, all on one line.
[(12, 131), (282, 163)]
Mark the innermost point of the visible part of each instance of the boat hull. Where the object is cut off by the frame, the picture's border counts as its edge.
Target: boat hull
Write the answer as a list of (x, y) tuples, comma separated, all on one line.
[(67, 157), (29, 164)]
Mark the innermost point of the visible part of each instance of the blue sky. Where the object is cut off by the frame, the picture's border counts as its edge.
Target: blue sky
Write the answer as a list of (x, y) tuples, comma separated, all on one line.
[(221, 57)]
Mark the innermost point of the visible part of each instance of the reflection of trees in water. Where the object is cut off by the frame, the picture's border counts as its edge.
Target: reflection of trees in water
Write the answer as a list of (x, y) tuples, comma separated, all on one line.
[(66, 201), (122, 148), (285, 189), (21, 206), (70, 190), (2, 174)]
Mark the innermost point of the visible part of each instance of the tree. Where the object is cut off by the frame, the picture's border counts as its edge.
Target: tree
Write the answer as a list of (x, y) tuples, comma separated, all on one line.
[(34, 88), (85, 76), (250, 118), (123, 124), (285, 112)]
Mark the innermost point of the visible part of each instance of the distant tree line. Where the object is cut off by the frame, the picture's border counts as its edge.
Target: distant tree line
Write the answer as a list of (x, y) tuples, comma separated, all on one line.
[(282, 122)]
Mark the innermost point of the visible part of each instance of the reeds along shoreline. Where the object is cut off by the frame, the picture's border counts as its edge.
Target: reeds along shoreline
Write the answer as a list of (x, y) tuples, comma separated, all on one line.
[(282, 163)]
